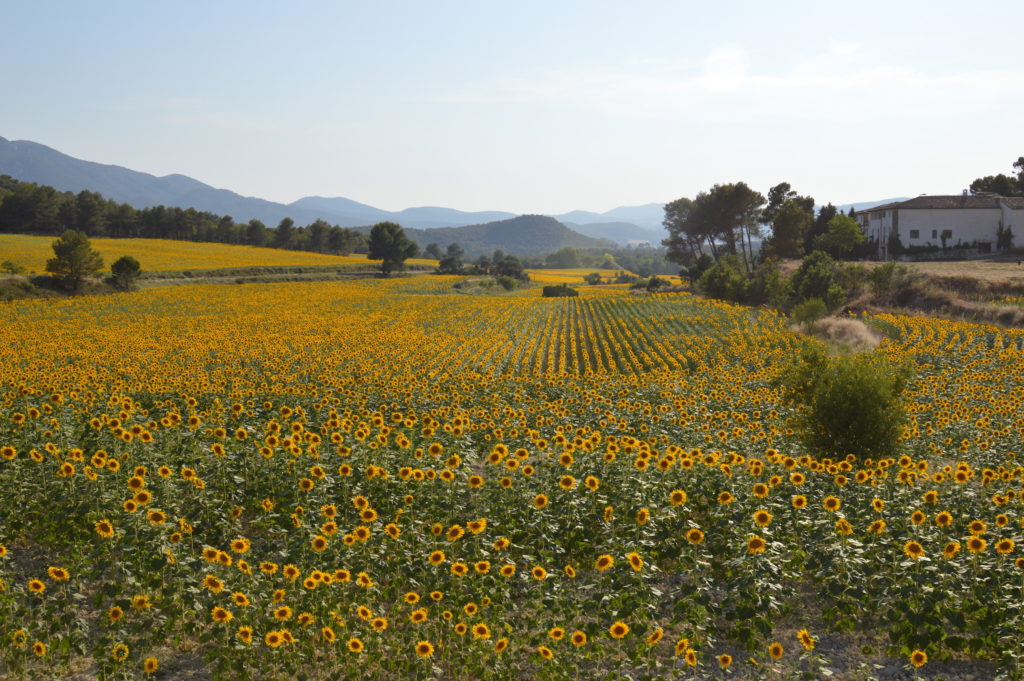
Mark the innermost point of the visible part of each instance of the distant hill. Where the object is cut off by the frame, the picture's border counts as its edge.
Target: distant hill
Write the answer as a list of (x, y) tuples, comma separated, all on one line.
[(647, 216), (523, 235), (622, 233), (845, 207), (32, 162)]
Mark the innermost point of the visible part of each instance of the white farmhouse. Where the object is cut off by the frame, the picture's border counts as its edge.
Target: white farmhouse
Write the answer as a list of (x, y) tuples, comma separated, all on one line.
[(945, 221)]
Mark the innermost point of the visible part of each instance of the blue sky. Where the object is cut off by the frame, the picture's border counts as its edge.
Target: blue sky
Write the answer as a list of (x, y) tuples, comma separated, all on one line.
[(530, 106)]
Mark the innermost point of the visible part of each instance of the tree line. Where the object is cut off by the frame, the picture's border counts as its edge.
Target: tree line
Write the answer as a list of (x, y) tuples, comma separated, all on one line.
[(728, 218), (28, 208)]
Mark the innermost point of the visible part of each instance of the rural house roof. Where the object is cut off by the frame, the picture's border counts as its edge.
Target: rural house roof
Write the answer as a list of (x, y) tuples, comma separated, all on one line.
[(952, 201)]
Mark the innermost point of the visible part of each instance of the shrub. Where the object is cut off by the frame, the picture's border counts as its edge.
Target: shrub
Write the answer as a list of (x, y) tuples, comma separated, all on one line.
[(808, 312), (816, 279), (11, 267), (559, 291), (849, 404), (725, 280), (655, 283), (126, 270), (506, 282), (592, 278), (74, 259)]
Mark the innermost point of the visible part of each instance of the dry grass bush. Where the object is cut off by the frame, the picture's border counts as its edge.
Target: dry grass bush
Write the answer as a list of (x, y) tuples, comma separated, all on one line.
[(850, 333)]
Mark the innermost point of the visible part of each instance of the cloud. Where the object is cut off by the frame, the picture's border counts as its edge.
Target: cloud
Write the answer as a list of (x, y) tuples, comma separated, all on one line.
[(841, 83)]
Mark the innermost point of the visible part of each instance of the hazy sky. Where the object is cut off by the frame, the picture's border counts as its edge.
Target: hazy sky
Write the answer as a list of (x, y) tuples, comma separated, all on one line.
[(523, 106)]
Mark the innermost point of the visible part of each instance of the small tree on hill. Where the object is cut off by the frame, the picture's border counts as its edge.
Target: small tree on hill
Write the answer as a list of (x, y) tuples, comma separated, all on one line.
[(126, 271), (389, 244), (74, 259)]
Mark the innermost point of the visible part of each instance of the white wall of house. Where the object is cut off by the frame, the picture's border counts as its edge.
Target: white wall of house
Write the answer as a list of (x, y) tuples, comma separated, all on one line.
[(923, 226)]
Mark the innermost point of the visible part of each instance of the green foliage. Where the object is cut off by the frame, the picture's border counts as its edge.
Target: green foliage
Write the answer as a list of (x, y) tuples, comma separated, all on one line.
[(657, 283), (1004, 237), (844, 235), (506, 282), (789, 229), (727, 214), (126, 271), (593, 278), (849, 404), (74, 259), (559, 291), (510, 266), (11, 267), (808, 312), (725, 280), (563, 258), (769, 286), (389, 244), (895, 245), (816, 279)]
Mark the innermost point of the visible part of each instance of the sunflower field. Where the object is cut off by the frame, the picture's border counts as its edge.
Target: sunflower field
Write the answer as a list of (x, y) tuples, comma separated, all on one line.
[(383, 479)]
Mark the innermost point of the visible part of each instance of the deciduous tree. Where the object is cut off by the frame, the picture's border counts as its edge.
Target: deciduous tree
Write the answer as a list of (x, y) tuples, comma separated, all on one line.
[(389, 244)]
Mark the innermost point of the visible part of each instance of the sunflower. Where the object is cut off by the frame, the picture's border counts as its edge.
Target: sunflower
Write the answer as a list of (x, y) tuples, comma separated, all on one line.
[(725, 498), (944, 519), (379, 623), (273, 639), (918, 517), (951, 549), (540, 501), (1005, 546), (459, 569), (682, 645), (507, 570), (655, 636), (799, 501), (240, 545), (832, 503), (481, 631), (913, 549), (642, 516), (604, 562), (39, 648), (635, 561), (694, 535), (436, 558), (755, 544), (355, 645), (762, 518), (545, 652), (58, 574), (115, 614), (424, 649), (418, 615), (724, 660), (213, 584), (977, 527), (918, 658), (104, 528), (36, 586), (318, 543), (976, 545), (618, 630), (220, 615), (691, 657), (775, 650), (119, 652), (471, 608), (570, 572), (805, 638), (150, 665), (539, 573), (677, 497)]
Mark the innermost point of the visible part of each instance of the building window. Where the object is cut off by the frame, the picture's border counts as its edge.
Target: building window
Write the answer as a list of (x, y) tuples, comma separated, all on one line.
[(915, 234), (947, 234), (935, 234)]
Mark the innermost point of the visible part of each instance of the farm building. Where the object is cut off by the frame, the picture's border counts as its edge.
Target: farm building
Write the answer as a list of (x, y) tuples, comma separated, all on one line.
[(945, 221)]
